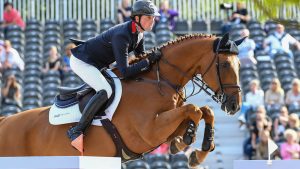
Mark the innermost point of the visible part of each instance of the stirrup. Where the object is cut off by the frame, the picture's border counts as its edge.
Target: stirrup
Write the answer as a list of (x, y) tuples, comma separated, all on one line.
[(73, 133)]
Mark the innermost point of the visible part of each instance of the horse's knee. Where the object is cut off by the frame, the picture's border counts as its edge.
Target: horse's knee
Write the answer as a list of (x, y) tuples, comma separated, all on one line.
[(207, 110), (208, 114), (194, 112), (191, 108), (177, 145)]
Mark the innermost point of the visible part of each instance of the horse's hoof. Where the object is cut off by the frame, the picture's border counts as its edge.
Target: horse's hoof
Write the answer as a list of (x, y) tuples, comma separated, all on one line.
[(193, 161), (173, 147), (187, 139), (213, 148), (190, 133)]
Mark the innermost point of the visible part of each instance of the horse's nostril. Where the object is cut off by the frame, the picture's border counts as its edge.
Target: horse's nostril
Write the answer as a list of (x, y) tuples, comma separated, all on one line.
[(233, 107)]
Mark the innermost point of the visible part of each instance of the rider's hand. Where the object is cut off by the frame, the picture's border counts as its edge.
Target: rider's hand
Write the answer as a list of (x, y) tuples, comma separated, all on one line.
[(154, 56)]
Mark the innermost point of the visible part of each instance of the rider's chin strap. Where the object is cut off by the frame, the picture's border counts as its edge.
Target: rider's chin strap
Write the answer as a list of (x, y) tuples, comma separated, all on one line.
[(138, 23)]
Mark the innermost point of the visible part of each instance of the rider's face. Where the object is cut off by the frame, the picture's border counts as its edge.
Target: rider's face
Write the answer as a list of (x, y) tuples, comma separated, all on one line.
[(147, 22)]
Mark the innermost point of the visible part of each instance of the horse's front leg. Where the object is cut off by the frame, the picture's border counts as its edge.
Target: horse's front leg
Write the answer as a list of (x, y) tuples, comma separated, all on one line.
[(198, 156), (178, 144), (164, 124)]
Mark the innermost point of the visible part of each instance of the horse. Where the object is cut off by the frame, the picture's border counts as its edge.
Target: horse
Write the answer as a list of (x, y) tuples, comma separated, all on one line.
[(151, 111)]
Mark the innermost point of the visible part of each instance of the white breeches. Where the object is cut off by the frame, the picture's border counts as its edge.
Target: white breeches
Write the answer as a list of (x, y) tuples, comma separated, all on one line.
[(91, 75)]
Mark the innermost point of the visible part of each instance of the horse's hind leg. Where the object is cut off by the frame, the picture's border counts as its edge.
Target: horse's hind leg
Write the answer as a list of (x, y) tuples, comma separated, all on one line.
[(198, 156), (166, 123), (180, 139), (176, 141)]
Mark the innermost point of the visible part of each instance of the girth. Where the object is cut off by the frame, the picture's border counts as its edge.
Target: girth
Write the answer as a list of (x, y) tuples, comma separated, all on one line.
[(122, 150)]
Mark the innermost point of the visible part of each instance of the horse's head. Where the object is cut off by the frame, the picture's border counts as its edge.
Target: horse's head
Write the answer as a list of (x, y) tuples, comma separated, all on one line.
[(215, 59), (222, 74)]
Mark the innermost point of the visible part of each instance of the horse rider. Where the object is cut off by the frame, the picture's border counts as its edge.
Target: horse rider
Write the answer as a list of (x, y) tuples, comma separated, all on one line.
[(110, 46)]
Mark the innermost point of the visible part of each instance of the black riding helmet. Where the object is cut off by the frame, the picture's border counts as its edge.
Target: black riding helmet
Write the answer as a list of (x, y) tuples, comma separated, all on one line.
[(143, 7)]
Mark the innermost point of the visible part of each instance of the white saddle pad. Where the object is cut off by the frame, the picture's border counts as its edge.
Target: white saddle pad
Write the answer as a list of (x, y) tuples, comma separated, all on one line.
[(72, 114)]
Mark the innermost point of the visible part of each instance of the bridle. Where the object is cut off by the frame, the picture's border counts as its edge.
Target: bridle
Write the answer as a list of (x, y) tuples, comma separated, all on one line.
[(219, 96)]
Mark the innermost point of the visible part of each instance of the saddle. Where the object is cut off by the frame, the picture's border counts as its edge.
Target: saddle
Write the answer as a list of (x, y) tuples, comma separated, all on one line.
[(81, 95)]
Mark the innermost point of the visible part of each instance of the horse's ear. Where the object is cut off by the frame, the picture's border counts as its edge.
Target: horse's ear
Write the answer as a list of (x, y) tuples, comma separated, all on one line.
[(238, 42), (224, 39)]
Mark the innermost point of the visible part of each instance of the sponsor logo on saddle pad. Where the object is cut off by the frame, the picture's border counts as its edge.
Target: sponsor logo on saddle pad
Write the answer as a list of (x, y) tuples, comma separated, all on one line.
[(72, 114)]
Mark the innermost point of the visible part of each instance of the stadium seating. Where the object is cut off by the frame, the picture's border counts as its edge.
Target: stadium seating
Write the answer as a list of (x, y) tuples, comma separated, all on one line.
[(88, 29), (181, 27), (199, 26), (247, 73), (216, 27), (70, 30), (106, 24), (266, 71), (149, 40)]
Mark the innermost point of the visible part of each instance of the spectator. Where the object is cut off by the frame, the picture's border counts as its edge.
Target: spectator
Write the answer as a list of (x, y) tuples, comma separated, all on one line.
[(293, 95), (294, 122), (262, 145), (280, 41), (11, 91), (167, 14), (10, 57), (254, 98), (274, 95), (290, 149), (124, 11), (11, 16), (66, 58), (261, 111), (280, 124), (261, 123), (53, 62), (1, 50), (241, 14), (246, 49)]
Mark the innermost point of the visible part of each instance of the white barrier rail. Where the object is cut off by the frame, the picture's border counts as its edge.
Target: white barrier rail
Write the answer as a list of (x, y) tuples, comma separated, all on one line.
[(263, 164), (60, 162)]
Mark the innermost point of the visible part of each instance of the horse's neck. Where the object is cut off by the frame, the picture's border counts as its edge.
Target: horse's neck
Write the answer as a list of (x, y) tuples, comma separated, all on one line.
[(188, 57)]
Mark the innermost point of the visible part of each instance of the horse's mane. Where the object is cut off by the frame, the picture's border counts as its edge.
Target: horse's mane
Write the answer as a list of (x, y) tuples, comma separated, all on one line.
[(170, 44)]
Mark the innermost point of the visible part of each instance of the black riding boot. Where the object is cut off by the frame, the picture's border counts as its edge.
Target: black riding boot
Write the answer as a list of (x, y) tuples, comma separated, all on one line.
[(96, 102)]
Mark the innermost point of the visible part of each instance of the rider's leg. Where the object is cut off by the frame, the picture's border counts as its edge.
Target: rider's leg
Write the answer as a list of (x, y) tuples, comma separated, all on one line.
[(93, 77), (90, 74)]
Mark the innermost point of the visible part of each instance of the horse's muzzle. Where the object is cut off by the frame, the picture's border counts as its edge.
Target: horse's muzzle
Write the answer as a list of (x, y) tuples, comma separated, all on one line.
[(230, 106)]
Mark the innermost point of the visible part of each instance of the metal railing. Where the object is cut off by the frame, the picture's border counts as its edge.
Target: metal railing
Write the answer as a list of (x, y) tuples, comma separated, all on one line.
[(99, 9)]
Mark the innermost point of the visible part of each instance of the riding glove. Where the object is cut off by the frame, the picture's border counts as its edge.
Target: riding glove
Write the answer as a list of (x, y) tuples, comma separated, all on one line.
[(154, 56)]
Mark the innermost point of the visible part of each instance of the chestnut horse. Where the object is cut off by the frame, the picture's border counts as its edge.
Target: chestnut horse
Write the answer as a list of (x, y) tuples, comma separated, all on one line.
[(151, 111)]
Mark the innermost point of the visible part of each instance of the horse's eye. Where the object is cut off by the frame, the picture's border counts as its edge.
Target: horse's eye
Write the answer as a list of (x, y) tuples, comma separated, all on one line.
[(225, 65)]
